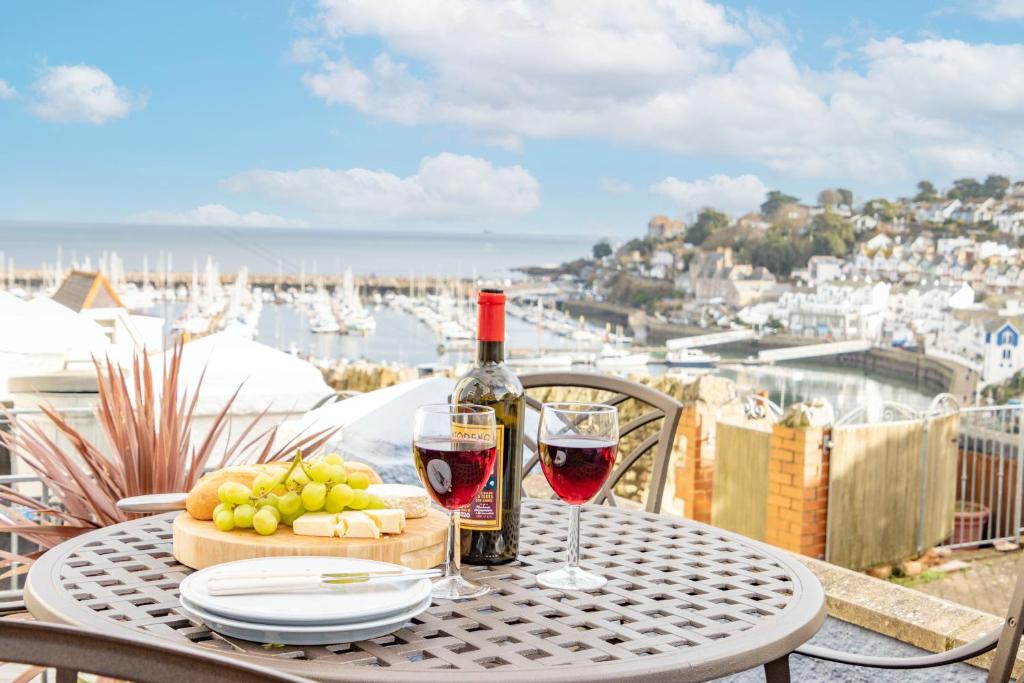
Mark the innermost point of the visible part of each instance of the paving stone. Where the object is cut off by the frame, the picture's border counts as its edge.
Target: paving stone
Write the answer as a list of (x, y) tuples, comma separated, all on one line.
[(986, 584)]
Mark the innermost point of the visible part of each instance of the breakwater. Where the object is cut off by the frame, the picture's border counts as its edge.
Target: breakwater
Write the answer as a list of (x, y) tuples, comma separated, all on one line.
[(927, 374)]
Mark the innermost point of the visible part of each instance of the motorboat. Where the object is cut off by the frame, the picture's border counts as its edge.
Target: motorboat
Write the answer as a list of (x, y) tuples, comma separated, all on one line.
[(612, 357), (551, 360), (691, 358)]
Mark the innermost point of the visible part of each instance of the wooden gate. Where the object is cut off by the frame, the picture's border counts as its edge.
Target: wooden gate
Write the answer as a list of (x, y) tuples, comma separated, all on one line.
[(891, 489), (740, 494)]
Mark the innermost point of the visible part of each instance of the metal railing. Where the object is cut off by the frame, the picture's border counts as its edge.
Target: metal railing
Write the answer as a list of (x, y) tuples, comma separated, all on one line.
[(26, 484), (989, 475), (10, 541), (990, 478)]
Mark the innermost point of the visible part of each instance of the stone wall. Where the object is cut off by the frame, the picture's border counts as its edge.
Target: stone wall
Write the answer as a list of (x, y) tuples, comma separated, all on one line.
[(363, 377)]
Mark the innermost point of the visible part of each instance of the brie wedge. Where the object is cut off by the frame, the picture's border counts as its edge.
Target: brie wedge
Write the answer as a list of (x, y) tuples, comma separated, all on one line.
[(412, 500)]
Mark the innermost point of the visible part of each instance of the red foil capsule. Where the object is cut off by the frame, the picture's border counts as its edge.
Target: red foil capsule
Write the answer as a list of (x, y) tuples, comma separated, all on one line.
[(490, 306)]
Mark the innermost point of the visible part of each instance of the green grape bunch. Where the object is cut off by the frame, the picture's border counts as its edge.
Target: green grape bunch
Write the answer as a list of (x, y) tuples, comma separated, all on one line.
[(307, 486)]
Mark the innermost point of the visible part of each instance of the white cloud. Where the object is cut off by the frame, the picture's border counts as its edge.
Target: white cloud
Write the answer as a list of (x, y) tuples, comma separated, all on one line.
[(688, 77), (997, 10), (734, 196), (216, 215), (82, 93), (613, 186), (444, 187), (7, 91)]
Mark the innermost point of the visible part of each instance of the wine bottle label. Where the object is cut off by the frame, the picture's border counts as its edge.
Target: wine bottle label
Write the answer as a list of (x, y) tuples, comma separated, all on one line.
[(484, 512)]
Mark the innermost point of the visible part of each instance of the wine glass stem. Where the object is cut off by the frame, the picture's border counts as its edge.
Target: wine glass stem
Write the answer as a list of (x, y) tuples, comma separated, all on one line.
[(574, 537), (451, 557)]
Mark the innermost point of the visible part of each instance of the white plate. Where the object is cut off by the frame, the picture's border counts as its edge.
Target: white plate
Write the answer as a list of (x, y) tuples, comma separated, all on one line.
[(324, 634), (344, 605)]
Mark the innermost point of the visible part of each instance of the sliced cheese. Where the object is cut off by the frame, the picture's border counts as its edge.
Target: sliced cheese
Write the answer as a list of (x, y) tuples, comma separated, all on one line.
[(412, 500), (359, 525), (315, 524), (388, 521)]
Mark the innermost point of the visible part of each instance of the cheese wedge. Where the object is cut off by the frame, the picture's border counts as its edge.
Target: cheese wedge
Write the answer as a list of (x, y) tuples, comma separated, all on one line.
[(315, 524), (412, 500), (359, 525), (388, 521)]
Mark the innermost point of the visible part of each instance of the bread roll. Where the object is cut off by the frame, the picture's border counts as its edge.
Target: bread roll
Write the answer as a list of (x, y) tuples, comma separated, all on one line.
[(203, 497)]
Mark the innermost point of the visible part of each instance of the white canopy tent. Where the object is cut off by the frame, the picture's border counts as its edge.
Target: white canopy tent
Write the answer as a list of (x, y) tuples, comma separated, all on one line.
[(267, 376), (42, 336)]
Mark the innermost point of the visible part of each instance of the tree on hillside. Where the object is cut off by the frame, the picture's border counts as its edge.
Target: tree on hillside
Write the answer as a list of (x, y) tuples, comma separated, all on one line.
[(774, 200), (880, 208), (829, 198), (602, 249), (777, 254), (996, 186), (831, 234), (966, 188), (926, 192), (708, 221), (828, 244), (845, 196)]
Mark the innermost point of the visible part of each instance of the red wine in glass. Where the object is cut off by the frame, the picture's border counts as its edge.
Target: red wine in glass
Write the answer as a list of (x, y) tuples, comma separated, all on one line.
[(577, 466), (454, 471)]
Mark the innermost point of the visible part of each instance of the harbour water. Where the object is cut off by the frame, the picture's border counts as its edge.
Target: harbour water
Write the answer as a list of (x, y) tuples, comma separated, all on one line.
[(401, 338)]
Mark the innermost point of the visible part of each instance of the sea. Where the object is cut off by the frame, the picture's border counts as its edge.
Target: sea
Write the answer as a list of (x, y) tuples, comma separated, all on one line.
[(292, 251)]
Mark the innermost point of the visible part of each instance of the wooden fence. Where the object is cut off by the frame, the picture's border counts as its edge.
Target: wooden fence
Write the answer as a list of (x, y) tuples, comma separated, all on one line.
[(741, 476), (891, 489)]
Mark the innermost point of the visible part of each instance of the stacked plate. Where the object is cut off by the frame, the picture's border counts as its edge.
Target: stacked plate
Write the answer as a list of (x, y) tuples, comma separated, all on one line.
[(327, 616)]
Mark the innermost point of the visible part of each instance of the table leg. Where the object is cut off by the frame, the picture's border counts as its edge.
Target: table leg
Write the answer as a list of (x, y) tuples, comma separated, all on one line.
[(777, 671)]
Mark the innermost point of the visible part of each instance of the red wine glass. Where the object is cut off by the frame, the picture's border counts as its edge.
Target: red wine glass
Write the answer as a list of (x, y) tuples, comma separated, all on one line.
[(454, 449), (577, 443)]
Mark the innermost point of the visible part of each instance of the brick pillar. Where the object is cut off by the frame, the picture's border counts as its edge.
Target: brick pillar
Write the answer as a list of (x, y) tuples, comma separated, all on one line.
[(694, 474), (797, 505)]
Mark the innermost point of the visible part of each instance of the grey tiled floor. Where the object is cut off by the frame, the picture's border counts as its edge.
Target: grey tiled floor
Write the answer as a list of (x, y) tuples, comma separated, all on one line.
[(842, 636)]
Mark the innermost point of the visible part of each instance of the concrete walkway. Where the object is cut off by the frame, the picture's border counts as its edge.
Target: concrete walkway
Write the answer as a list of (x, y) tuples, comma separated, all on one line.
[(986, 585)]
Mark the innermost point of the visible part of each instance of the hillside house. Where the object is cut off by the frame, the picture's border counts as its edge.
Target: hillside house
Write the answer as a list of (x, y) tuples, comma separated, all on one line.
[(663, 228), (715, 276), (1004, 353)]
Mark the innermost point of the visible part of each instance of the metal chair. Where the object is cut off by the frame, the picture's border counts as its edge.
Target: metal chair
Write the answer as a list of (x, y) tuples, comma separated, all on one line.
[(71, 650), (662, 407), (11, 602), (1003, 640)]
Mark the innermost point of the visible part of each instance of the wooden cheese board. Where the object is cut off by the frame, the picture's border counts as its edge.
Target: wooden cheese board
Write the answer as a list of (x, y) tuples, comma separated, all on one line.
[(199, 544)]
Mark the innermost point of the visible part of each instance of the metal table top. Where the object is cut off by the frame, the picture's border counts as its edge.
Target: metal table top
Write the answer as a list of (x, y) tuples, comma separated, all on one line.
[(684, 601)]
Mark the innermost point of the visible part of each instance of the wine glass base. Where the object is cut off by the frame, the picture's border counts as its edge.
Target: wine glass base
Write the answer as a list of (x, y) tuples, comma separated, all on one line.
[(457, 588), (571, 579)]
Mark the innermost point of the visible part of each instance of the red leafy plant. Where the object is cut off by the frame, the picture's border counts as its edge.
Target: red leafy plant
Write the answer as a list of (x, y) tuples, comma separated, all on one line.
[(148, 427)]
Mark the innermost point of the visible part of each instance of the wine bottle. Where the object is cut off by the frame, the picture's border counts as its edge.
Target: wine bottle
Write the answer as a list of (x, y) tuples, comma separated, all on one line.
[(490, 524)]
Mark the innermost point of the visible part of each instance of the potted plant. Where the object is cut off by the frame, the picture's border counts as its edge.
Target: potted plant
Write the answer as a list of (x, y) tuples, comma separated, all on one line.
[(148, 426), (969, 523)]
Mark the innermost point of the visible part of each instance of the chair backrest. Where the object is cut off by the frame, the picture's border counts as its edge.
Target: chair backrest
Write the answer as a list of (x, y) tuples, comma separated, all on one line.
[(71, 651), (659, 406)]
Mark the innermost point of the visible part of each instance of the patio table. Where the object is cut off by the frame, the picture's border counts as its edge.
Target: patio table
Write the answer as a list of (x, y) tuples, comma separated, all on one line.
[(684, 602)]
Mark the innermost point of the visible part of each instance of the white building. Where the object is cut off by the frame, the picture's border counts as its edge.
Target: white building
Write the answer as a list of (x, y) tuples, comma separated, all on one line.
[(836, 311), (937, 212), (1004, 354), (822, 269), (1010, 221)]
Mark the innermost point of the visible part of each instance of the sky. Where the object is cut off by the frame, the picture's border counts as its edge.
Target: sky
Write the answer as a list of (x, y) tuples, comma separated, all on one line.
[(533, 115)]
